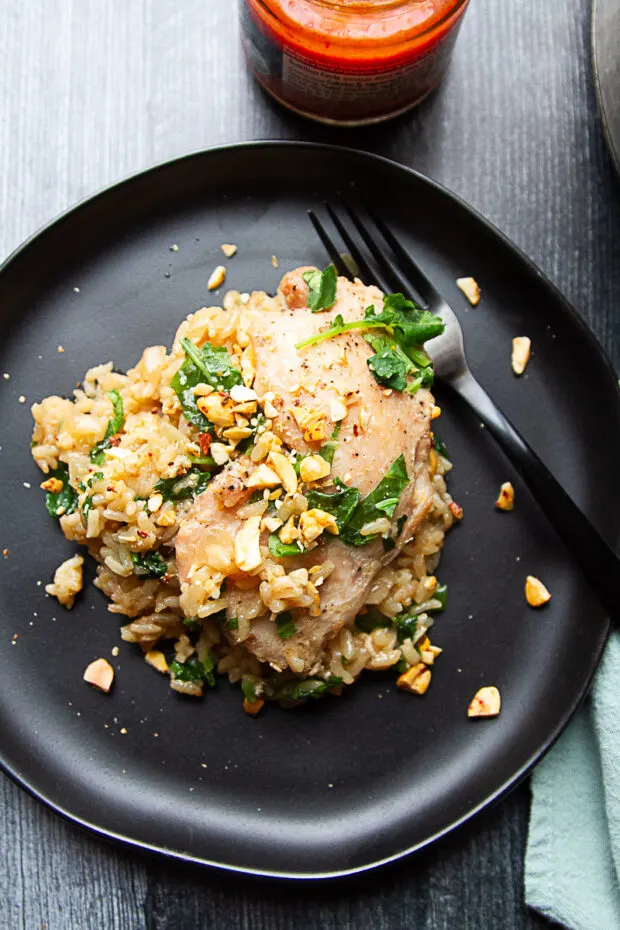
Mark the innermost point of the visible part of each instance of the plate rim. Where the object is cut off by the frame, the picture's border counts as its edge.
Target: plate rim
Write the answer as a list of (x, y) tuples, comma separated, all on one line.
[(587, 332)]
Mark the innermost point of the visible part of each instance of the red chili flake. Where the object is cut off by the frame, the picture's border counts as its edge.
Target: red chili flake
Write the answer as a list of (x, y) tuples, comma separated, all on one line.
[(204, 440), (456, 511), (142, 534), (115, 440), (356, 429), (5, 553)]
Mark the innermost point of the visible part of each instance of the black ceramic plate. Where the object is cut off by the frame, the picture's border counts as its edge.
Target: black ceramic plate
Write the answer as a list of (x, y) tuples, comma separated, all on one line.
[(342, 784), (605, 42)]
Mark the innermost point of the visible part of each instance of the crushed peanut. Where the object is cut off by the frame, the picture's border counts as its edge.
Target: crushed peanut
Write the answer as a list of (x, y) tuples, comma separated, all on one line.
[(313, 468), (229, 249), (416, 679), (263, 477), (247, 545), (536, 594), (521, 348), (217, 278), (285, 471), (314, 522), (486, 702), (100, 674), (53, 485), (157, 660), (471, 289), (506, 497)]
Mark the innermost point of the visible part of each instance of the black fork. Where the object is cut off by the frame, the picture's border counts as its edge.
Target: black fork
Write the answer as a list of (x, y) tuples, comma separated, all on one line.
[(382, 260)]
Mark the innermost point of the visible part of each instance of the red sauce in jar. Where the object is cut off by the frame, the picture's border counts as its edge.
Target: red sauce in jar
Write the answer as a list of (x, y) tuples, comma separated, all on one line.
[(350, 61)]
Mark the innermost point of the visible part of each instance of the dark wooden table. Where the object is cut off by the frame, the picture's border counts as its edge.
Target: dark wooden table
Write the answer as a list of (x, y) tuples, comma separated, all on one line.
[(92, 91)]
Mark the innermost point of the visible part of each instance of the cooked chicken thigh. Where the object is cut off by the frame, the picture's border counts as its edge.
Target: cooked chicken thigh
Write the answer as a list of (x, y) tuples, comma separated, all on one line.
[(310, 392)]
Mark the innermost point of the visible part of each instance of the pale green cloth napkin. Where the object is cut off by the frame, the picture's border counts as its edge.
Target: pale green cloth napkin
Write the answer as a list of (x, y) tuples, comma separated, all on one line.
[(572, 865)]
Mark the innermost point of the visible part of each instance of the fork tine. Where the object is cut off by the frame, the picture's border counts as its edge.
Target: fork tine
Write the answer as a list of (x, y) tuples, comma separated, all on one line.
[(332, 251), (366, 272), (396, 280), (425, 288)]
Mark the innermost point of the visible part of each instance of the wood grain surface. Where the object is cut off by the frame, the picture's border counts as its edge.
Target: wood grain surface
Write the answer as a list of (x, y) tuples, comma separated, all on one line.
[(92, 91)]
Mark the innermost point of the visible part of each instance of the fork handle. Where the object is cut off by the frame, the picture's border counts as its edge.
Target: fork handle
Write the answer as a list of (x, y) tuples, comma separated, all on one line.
[(599, 563)]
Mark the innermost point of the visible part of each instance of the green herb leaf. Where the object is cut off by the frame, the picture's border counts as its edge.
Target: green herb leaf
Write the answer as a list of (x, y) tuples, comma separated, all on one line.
[(441, 595), (115, 425), (206, 364), (340, 504), (285, 625), (65, 500), (405, 327), (249, 689), (86, 507), (405, 626), (372, 619), (328, 449), (391, 486), (280, 550), (440, 447), (232, 623), (192, 623), (194, 670), (300, 690), (322, 285), (390, 366), (388, 506), (208, 664), (184, 486), (149, 563), (94, 478)]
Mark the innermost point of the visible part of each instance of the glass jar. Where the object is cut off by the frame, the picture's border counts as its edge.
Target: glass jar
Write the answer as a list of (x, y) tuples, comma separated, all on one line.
[(350, 62)]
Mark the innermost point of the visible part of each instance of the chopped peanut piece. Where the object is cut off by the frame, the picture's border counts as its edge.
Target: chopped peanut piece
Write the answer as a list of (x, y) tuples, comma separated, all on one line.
[(237, 433), (416, 679), (535, 592), (274, 261), (311, 421), (219, 453), (313, 468), (154, 502), (289, 532), (433, 461), (253, 707), (167, 518), (521, 348), (435, 412), (469, 287), (229, 249), (506, 498), (248, 365), (217, 278), (263, 477), (247, 545), (157, 660), (271, 524), (337, 410), (313, 522), (285, 471), (53, 485), (215, 410), (100, 674), (241, 394), (485, 703)]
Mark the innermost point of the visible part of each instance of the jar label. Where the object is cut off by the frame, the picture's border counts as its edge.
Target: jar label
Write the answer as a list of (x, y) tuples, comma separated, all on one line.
[(342, 91)]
